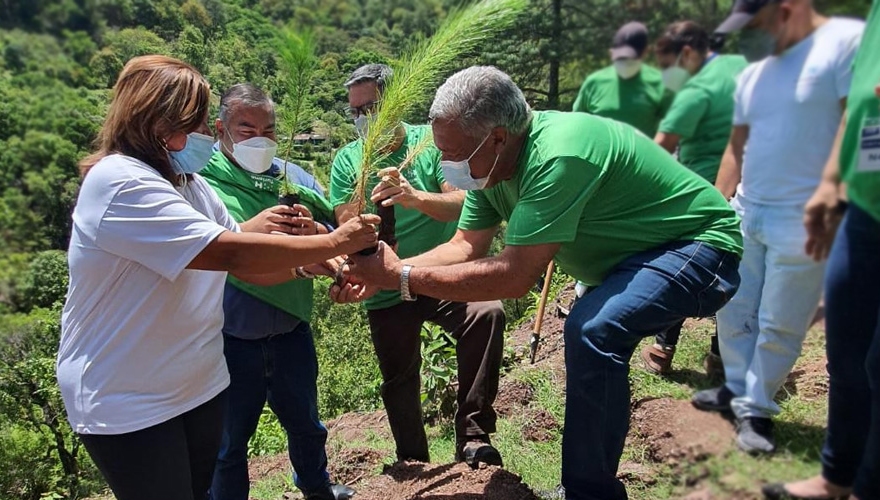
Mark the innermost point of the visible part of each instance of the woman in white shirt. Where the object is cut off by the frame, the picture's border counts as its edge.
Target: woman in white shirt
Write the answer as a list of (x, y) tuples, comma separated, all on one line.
[(141, 364)]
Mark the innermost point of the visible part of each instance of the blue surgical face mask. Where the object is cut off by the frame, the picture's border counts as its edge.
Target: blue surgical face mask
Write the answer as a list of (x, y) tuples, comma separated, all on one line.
[(756, 44), (458, 173), (194, 156)]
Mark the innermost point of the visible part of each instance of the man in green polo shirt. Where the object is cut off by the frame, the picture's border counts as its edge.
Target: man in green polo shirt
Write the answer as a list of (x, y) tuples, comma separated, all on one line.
[(267, 340), (851, 454), (426, 210), (629, 90), (612, 208), (697, 125)]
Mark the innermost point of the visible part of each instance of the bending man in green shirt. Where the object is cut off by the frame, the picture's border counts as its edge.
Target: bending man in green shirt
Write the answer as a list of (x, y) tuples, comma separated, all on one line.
[(629, 90), (426, 210), (612, 208), (698, 125)]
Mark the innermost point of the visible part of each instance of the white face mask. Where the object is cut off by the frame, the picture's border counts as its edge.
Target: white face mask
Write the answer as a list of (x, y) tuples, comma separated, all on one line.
[(674, 77), (255, 154), (458, 173), (362, 124), (627, 68)]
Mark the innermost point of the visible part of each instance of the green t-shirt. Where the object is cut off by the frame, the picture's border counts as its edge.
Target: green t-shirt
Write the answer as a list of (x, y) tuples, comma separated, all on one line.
[(860, 151), (605, 192), (702, 115), (246, 194), (640, 101), (416, 232)]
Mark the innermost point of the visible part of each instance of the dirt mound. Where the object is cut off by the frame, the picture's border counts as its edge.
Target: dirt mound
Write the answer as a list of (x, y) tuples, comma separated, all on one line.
[(674, 430), (513, 396), (412, 480), (540, 426), (267, 465), (358, 427), (350, 465)]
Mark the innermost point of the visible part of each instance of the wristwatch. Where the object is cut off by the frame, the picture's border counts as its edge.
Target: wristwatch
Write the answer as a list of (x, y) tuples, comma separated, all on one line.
[(404, 284)]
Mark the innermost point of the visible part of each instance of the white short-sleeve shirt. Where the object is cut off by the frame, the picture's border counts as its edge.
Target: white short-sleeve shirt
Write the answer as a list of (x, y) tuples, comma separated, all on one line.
[(140, 333), (791, 104)]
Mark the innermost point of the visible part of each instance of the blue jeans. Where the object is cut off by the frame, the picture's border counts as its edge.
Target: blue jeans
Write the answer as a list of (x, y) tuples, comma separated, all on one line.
[(762, 329), (646, 293), (283, 370), (851, 455)]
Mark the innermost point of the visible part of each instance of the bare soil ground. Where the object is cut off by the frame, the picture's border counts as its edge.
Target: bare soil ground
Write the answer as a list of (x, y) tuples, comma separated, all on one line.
[(411, 480), (675, 431)]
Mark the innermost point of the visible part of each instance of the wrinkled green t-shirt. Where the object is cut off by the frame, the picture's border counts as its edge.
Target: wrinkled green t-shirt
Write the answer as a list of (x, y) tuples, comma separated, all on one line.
[(702, 115), (860, 150), (640, 101), (416, 232), (605, 192)]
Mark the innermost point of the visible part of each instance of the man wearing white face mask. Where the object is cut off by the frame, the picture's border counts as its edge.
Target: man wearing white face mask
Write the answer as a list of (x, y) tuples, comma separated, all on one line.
[(629, 90), (426, 209), (787, 107), (268, 343), (612, 209)]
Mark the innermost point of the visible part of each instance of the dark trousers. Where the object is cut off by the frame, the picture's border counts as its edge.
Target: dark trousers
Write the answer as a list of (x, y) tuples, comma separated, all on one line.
[(283, 370), (646, 293), (851, 455), (173, 460), (669, 338), (477, 327)]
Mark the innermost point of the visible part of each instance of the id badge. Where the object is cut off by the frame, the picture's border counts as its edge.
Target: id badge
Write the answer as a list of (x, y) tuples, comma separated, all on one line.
[(869, 145)]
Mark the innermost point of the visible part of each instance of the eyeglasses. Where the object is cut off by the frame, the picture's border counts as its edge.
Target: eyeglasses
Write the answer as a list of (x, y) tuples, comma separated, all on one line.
[(364, 109)]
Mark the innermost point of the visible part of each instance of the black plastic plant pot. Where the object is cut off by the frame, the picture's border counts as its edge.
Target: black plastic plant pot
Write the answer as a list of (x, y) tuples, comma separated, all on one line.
[(290, 199), (386, 228)]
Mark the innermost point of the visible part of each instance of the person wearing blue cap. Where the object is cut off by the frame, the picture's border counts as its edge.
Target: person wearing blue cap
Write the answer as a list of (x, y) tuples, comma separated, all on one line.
[(787, 107)]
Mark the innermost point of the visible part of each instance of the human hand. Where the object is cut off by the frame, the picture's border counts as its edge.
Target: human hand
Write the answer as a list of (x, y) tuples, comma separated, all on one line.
[(380, 269), (356, 234), (273, 220), (394, 189), (348, 289), (822, 215)]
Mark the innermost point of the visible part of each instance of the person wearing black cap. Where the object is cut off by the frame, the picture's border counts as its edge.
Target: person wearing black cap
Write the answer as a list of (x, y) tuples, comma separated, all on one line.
[(628, 91), (787, 108)]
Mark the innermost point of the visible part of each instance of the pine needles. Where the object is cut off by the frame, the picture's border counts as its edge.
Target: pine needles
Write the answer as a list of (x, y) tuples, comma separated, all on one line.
[(419, 72), (298, 61)]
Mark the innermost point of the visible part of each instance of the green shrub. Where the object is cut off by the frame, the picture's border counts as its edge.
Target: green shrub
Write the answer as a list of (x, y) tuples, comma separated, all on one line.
[(45, 282), (26, 474)]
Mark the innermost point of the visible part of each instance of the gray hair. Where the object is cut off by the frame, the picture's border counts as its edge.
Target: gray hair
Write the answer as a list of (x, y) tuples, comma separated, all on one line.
[(243, 94), (481, 98), (379, 73)]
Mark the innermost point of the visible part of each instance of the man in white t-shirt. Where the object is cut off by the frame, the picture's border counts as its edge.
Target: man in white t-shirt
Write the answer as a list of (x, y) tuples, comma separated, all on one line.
[(788, 106)]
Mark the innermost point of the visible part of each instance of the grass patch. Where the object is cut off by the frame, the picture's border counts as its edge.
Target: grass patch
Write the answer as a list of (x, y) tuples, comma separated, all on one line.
[(799, 433)]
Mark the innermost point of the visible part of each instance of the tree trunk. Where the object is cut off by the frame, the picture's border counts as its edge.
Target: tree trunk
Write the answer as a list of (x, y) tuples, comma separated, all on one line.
[(555, 51)]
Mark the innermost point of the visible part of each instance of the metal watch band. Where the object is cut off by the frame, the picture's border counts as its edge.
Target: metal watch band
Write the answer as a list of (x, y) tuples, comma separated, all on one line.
[(404, 284)]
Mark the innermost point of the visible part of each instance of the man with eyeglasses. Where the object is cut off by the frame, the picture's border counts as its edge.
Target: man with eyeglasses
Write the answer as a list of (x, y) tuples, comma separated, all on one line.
[(426, 209)]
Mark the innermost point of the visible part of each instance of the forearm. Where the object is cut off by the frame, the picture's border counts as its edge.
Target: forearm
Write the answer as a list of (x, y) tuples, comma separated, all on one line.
[(485, 279), (831, 172), (730, 170), (729, 175), (444, 207), (463, 247), (256, 253)]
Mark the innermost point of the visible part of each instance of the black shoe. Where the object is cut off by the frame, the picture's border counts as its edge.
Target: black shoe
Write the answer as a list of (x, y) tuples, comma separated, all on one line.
[(333, 492), (777, 491), (717, 399), (478, 452), (754, 435)]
